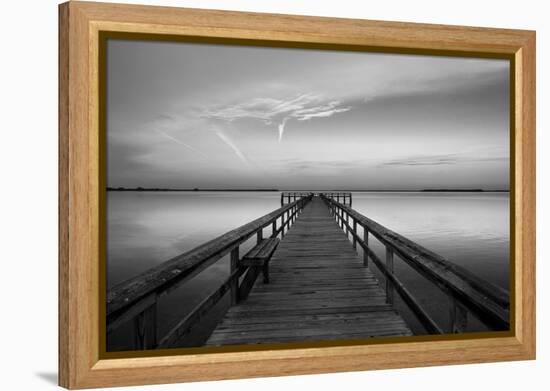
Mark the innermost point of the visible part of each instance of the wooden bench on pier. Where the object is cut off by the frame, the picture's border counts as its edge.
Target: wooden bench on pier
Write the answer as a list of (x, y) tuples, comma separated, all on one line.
[(260, 255), (255, 260)]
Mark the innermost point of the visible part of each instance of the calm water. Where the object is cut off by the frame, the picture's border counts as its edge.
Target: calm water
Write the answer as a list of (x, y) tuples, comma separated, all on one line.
[(148, 228)]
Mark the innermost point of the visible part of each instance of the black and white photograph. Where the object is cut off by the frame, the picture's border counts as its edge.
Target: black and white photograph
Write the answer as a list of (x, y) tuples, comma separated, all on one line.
[(269, 196)]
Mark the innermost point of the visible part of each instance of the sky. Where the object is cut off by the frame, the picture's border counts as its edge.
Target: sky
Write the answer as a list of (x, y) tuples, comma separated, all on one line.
[(188, 115)]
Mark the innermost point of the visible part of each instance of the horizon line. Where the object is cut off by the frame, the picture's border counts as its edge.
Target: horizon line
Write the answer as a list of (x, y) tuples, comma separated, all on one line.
[(450, 189)]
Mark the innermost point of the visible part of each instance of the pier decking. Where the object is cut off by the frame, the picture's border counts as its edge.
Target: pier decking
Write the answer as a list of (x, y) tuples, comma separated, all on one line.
[(319, 290), (315, 285)]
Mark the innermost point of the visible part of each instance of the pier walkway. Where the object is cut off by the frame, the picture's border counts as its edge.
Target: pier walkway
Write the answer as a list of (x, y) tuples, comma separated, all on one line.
[(319, 290)]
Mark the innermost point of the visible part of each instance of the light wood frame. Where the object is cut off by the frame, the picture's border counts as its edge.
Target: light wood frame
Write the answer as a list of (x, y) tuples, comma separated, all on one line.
[(80, 364)]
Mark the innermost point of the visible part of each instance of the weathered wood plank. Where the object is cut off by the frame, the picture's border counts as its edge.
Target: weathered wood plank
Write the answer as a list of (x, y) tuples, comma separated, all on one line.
[(273, 318), (243, 312), (311, 334)]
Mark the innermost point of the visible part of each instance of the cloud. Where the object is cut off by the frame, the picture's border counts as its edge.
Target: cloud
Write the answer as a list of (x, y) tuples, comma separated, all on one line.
[(322, 111), (436, 84), (282, 128), (321, 166), (178, 141), (441, 160), (302, 108), (233, 146)]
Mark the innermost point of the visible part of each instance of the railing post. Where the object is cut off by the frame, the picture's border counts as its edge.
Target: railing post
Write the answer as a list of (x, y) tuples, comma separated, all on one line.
[(259, 235), (354, 234), (145, 328), (344, 221), (389, 266), (282, 202), (234, 264), (459, 317), (288, 219), (365, 251), (274, 228), (347, 224)]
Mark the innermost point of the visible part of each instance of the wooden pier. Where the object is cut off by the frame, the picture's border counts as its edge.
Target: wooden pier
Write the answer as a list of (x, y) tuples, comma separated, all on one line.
[(318, 290), (316, 285)]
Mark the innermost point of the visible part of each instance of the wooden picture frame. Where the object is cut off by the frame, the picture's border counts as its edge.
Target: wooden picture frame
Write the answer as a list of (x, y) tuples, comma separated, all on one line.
[(81, 364)]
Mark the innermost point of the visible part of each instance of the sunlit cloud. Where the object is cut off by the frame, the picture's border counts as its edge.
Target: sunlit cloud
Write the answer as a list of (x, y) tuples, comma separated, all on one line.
[(269, 110)]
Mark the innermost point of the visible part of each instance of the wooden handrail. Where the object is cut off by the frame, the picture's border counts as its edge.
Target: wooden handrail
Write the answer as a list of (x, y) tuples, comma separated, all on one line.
[(136, 298), (184, 326), (291, 196), (425, 319), (488, 302), (336, 196)]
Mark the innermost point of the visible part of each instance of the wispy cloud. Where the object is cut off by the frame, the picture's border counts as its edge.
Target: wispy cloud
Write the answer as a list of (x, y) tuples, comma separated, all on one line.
[(178, 141), (441, 160), (161, 125), (232, 145), (269, 110), (320, 165), (282, 128)]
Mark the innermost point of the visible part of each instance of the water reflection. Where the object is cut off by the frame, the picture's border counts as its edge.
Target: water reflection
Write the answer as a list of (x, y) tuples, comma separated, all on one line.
[(148, 228)]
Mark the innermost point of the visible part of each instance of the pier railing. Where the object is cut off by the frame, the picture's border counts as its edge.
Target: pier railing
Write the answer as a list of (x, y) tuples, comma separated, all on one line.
[(343, 198), (136, 299), (467, 292), (290, 196)]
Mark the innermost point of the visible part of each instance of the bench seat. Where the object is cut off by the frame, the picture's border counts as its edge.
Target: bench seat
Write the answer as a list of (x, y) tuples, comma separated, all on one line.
[(260, 255)]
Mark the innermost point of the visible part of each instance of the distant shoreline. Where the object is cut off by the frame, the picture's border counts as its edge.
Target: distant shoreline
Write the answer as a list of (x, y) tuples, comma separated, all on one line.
[(192, 190), (321, 191)]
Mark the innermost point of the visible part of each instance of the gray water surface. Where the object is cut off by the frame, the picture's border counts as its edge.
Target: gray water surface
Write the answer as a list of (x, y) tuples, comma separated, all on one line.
[(145, 229)]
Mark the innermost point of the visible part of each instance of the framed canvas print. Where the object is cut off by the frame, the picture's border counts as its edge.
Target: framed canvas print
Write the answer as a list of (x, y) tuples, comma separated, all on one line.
[(248, 195)]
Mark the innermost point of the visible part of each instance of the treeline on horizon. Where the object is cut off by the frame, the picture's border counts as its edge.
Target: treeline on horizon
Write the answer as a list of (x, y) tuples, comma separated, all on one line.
[(450, 190)]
